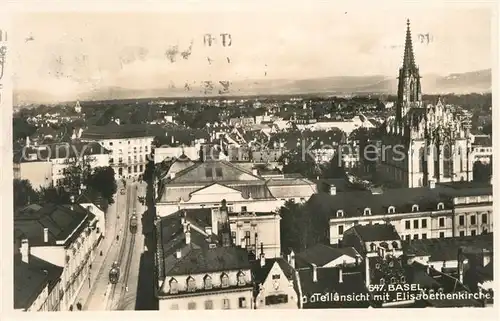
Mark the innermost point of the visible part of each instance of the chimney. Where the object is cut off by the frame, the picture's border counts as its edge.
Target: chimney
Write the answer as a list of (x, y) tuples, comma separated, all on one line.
[(315, 272), (25, 250), (341, 276), (45, 235), (188, 234), (432, 184), (208, 230), (292, 259), (460, 265), (333, 190), (178, 254), (255, 172)]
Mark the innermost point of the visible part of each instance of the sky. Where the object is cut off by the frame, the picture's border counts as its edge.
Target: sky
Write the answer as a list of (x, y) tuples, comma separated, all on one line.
[(75, 52)]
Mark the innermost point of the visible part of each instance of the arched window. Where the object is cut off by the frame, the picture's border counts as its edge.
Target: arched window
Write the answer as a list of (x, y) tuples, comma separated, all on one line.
[(367, 211), (403, 279), (391, 210), (393, 280), (173, 286), (440, 206), (241, 278), (207, 282), (224, 280), (372, 247), (191, 284), (382, 281), (414, 208), (340, 213)]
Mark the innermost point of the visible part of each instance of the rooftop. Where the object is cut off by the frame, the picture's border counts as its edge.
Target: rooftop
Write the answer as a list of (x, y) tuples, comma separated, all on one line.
[(320, 255), (115, 131), (376, 232)]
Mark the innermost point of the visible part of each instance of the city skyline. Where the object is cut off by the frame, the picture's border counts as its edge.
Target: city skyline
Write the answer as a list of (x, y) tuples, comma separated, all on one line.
[(77, 56)]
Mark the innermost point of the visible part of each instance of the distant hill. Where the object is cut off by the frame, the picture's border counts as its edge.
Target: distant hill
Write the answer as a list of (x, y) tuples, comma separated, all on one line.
[(459, 83)]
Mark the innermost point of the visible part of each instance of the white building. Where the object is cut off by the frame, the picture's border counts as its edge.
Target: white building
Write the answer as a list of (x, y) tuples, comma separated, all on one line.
[(130, 146), (64, 236)]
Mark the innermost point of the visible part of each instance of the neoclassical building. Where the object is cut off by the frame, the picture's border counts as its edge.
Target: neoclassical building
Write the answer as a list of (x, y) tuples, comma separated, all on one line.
[(423, 143)]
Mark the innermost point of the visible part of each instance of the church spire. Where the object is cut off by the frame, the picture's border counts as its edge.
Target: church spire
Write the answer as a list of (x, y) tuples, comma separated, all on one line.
[(408, 59)]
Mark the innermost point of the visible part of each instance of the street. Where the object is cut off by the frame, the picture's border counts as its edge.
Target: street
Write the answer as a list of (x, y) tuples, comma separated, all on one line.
[(127, 251)]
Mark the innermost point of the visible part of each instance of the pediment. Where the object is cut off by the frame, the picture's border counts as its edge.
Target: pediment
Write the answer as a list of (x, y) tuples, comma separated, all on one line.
[(215, 189)]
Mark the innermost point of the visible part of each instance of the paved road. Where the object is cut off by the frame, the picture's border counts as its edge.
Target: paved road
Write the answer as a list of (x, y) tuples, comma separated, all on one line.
[(92, 297)]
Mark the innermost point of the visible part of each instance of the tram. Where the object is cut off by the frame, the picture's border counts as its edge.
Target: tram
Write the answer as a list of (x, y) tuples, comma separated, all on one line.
[(133, 223), (114, 273)]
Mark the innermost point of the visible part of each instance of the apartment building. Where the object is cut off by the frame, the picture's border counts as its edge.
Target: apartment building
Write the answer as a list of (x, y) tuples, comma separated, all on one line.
[(129, 144), (437, 211), (65, 236)]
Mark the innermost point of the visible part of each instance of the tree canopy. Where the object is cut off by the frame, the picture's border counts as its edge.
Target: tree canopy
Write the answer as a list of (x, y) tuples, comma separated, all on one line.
[(24, 193)]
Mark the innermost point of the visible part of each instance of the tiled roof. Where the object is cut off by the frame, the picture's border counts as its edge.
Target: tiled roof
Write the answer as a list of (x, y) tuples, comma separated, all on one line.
[(482, 141), (376, 232), (60, 220), (210, 260), (444, 249), (28, 284), (114, 131), (328, 282), (401, 198), (320, 255)]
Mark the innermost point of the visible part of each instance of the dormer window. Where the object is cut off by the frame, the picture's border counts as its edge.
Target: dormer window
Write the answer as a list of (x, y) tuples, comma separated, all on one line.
[(382, 281), (395, 245), (393, 280), (391, 210), (241, 278), (440, 206), (372, 247), (191, 284), (414, 208), (224, 280), (367, 211), (403, 279), (173, 286), (340, 213), (207, 282)]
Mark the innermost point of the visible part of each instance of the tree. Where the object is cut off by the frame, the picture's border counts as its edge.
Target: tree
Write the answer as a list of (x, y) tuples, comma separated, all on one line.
[(21, 128), (76, 175), (102, 180), (54, 195), (292, 229), (24, 194), (335, 168), (299, 161), (481, 172)]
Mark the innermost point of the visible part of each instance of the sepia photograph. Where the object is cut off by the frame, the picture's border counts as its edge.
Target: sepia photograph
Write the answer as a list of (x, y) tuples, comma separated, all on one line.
[(303, 157)]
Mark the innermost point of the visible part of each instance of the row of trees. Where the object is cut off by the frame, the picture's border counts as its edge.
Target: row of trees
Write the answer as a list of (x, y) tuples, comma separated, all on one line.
[(98, 184)]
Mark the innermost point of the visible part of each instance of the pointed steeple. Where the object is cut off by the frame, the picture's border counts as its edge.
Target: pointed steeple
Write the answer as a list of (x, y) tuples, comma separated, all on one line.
[(408, 59)]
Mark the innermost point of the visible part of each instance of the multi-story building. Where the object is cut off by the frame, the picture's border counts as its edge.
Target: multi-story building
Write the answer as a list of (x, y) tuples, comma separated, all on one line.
[(206, 184), (482, 149), (196, 273), (65, 236), (423, 143), (437, 211), (130, 146)]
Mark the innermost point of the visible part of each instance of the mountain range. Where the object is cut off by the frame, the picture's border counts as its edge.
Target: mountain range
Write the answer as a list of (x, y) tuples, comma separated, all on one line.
[(457, 83)]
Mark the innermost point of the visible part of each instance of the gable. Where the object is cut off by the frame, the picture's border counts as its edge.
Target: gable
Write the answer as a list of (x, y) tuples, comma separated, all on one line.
[(217, 192), (340, 260), (270, 284), (213, 171)]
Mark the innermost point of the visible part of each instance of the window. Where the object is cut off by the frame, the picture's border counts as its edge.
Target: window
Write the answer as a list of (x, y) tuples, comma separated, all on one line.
[(424, 223), (391, 209), (372, 247), (441, 234), (218, 172), (224, 280), (407, 237), (173, 286), (393, 280), (208, 172), (225, 304), (207, 282), (192, 306), (407, 225), (403, 279), (395, 245), (247, 234), (367, 211), (414, 208), (424, 236), (382, 281), (135, 158), (473, 220), (440, 206), (484, 218), (341, 229), (461, 220), (191, 284), (415, 223), (110, 143), (462, 233), (415, 236), (241, 278), (441, 222), (243, 208), (276, 276), (233, 234), (209, 305), (111, 160), (242, 303), (174, 306), (473, 232)]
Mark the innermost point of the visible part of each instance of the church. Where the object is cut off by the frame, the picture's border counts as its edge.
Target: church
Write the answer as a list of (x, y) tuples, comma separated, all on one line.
[(423, 144)]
